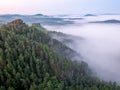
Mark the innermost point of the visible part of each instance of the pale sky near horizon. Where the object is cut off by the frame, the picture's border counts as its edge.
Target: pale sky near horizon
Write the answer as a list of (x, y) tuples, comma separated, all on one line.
[(59, 6)]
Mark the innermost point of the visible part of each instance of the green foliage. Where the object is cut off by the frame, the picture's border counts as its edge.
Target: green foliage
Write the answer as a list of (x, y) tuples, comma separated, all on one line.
[(31, 60)]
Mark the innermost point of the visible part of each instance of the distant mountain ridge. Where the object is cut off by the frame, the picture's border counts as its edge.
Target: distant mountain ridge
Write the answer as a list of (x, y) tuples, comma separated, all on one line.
[(112, 21), (37, 18)]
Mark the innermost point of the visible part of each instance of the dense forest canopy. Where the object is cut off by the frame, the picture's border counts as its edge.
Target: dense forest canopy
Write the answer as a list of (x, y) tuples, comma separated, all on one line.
[(31, 60)]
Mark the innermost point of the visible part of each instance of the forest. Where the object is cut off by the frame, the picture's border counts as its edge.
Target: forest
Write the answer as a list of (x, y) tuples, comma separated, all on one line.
[(31, 60)]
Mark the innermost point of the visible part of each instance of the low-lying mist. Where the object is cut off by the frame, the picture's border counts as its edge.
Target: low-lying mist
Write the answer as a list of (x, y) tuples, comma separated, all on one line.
[(100, 47)]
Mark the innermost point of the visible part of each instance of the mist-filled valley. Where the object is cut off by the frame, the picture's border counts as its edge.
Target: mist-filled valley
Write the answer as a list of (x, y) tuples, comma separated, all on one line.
[(59, 52), (97, 43)]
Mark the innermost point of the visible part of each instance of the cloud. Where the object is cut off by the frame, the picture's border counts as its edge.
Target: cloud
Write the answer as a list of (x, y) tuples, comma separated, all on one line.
[(100, 46)]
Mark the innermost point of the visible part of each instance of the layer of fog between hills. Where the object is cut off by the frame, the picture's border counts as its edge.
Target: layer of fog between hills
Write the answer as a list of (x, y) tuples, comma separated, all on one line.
[(100, 46)]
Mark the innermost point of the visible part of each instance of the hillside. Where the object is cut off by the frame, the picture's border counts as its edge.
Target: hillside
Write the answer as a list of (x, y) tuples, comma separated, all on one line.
[(31, 60), (67, 40)]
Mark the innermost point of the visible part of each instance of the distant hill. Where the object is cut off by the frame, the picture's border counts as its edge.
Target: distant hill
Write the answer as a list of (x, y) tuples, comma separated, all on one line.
[(89, 15), (38, 15), (112, 21)]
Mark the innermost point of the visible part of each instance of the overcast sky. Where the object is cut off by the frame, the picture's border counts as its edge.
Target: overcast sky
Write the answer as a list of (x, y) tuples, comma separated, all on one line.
[(59, 6)]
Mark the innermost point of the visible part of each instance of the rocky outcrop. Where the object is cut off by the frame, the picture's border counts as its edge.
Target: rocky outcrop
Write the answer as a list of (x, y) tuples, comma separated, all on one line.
[(36, 24)]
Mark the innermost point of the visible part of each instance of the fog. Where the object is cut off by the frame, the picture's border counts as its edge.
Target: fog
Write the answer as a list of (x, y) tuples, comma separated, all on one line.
[(101, 45)]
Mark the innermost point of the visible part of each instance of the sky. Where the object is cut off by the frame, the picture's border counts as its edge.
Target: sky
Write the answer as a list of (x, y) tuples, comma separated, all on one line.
[(52, 7)]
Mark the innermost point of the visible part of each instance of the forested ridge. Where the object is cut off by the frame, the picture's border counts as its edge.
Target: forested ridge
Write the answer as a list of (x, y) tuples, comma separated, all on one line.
[(31, 60)]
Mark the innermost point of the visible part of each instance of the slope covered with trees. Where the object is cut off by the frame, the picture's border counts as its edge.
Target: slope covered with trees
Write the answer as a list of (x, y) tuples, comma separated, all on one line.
[(31, 60)]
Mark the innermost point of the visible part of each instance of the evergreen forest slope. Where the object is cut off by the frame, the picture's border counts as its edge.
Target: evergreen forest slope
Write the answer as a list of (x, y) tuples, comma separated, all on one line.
[(31, 60)]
